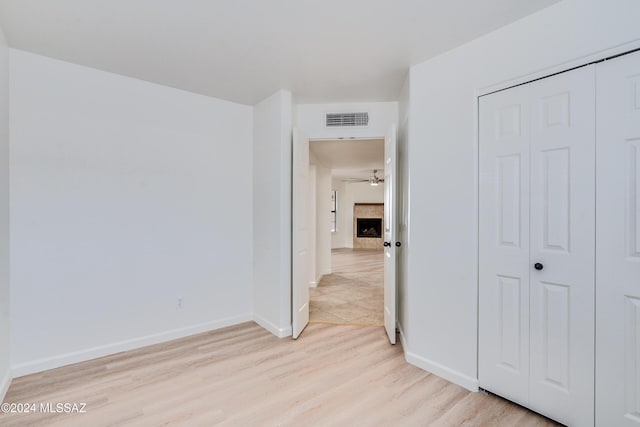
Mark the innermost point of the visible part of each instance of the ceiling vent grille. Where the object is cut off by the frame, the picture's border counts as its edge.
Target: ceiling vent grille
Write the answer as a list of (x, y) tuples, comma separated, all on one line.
[(347, 119)]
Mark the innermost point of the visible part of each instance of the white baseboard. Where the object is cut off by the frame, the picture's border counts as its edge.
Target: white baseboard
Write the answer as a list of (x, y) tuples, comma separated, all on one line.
[(403, 340), (4, 385), (315, 283), (448, 374), (108, 349), (279, 332)]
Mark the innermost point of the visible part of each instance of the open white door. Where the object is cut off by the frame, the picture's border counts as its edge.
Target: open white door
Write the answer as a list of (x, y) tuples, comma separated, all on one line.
[(300, 234), (390, 242)]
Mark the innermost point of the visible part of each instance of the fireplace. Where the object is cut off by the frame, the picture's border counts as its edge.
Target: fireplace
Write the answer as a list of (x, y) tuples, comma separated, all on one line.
[(367, 226), (370, 228)]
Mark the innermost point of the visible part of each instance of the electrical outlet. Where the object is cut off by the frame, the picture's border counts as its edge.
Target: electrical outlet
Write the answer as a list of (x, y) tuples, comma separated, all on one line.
[(179, 302)]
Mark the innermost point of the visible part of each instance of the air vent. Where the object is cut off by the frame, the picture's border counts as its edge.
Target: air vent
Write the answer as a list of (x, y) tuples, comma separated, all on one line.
[(347, 119)]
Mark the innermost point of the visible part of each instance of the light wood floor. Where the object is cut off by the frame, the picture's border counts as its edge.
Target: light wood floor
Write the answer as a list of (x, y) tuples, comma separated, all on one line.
[(244, 376), (353, 294)]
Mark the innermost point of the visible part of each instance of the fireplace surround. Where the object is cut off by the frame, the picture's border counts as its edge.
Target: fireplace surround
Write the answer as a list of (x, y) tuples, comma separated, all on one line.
[(368, 225)]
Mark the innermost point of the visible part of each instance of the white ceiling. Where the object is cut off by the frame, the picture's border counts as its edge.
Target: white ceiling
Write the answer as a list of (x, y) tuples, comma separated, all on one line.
[(244, 50), (350, 158)]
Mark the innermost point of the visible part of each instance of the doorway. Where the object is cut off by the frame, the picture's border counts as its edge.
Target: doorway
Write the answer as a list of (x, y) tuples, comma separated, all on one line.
[(347, 287), (304, 230), (301, 235)]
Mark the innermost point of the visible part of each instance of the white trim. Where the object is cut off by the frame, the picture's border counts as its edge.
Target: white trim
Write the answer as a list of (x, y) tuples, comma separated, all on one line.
[(448, 374), (126, 345), (316, 282), (346, 138), (278, 332), (403, 339), (559, 68), (285, 288), (4, 385), (476, 225)]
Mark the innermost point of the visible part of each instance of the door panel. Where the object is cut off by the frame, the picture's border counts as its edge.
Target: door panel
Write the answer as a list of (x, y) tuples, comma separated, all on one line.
[(563, 241), (509, 196), (556, 199), (503, 363), (390, 171), (633, 214), (632, 358), (618, 251), (537, 205), (555, 335), (300, 238), (509, 322)]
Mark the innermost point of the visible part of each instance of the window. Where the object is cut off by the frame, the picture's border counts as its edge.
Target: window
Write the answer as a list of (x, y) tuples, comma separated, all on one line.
[(334, 211)]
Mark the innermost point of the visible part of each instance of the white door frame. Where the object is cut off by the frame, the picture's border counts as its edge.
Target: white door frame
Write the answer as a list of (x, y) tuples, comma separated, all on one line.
[(300, 260), (398, 171), (390, 229)]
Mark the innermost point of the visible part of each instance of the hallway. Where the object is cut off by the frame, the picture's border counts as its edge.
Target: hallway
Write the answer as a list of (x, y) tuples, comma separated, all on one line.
[(353, 293)]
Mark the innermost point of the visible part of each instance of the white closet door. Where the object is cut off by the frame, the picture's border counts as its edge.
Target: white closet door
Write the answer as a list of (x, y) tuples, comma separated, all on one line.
[(618, 236), (562, 242), (503, 365)]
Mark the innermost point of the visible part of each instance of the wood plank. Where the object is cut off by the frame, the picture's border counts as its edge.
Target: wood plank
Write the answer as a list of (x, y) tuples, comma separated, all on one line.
[(242, 375), (353, 294)]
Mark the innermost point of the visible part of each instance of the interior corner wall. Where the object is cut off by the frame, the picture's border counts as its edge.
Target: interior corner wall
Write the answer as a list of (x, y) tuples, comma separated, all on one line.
[(5, 332), (313, 231), (272, 121), (441, 327), (323, 222), (338, 238), (131, 213)]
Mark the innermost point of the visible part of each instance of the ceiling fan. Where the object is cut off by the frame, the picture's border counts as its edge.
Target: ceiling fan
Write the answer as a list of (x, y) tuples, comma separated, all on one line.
[(372, 180)]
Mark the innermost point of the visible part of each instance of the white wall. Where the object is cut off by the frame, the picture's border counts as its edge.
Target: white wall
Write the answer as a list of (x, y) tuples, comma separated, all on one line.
[(272, 213), (311, 119), (323, 222), (338, 238), (5, 333), (313, 215), (355, 192), (441, 327), (126, 197)]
